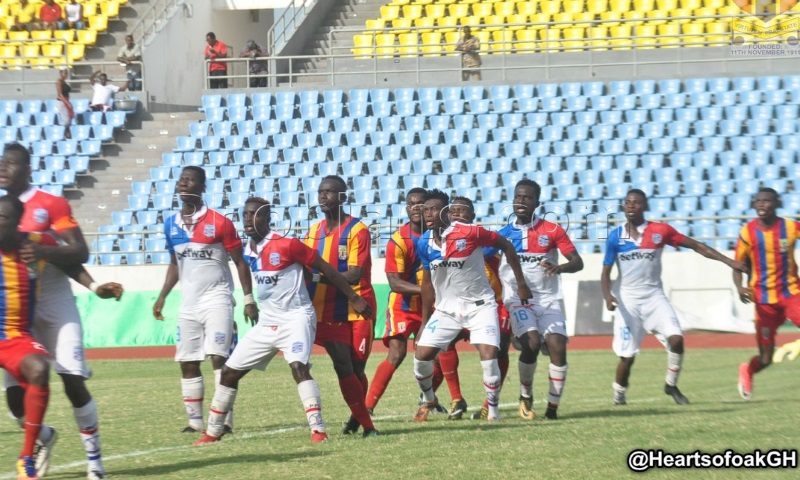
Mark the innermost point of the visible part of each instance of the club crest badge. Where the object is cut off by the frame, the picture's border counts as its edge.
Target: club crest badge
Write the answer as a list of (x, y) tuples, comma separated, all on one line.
[(342, 252), (40, 215), (461, 244), (657, 238), (209, 231), (275, 259), (544, 240)]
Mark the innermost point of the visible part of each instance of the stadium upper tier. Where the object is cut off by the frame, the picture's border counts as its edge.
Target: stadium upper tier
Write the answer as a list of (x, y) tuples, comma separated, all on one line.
[(45, 48), (700, 147), (430, 28)]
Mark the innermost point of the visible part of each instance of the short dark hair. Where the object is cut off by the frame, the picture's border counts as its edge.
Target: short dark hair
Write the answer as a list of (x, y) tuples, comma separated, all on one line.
[(636, 191), (19, 148), (416, 191), (211, 35), (200, 171), (17, 208), (436, 194), (527, 182), (339, 180), (463, 200), (260, 201), (769, 190)]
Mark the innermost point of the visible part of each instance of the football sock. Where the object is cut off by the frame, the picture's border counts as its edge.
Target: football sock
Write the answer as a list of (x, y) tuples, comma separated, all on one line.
[(674, 361), (755, 365), (217, 379), (221, 404), (526, 371), (502, 363), (383, 375), (309, 395), (193, 391), (619, 388), (423, 371), (558, 376), (35, 400), (86, 418), (364, 380), (449, 361), (353, 395), (491, 382), (438, 375)]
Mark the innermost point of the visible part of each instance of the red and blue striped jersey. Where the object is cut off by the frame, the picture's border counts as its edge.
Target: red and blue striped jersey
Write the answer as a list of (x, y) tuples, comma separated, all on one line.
[(770, 253)]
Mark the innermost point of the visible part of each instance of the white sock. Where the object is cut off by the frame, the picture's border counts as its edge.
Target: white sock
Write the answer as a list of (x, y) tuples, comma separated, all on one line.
[(526, 371), (558, 376), (619, 388), (217, 379), (86, 418), (309, 395), (193, 391), (491, 382), (674, 362), (423, 371), (46, 433), (220, 406)]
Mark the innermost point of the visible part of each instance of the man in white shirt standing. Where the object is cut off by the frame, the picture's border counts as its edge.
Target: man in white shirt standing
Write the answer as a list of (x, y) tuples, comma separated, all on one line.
[(103, 92)]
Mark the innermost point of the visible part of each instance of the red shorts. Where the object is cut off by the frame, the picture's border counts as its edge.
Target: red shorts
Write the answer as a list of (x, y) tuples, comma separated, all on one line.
[(339, 332), (13, 351), (504, 319), (770, 317), (362, 338), (400, 324)]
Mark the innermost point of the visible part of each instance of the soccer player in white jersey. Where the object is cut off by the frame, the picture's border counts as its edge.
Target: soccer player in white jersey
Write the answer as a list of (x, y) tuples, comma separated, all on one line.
[(287, 320), (199, 241), (541, 324), (636, 247), (454, 282)]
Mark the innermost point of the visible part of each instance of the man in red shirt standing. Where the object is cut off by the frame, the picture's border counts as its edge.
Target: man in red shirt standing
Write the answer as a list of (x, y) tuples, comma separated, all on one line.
[(214, 50), (51, 16)]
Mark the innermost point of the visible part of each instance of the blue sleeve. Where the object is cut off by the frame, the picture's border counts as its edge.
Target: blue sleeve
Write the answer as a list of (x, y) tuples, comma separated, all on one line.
[(612, 247), (422, 252), (170, 247)]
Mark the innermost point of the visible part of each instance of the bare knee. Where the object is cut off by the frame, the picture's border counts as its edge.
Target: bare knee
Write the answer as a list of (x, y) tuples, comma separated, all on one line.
[(300, 372), (36, 370)]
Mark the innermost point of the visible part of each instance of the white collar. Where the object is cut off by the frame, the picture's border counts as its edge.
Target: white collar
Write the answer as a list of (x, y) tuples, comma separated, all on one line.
[(28, 194)]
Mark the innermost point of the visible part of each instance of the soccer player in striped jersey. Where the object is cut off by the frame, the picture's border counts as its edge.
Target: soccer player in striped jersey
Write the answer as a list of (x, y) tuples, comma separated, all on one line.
[(454, 282), (344, 242), (200, 240), (287, 321), (766, 245), (540, 325), (636, 247)]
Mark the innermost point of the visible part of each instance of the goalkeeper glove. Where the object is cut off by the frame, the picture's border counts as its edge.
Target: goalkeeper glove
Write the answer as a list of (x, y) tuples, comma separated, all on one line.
[(790, 351)]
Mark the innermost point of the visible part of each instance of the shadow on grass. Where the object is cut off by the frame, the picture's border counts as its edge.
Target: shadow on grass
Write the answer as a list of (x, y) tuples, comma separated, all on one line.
[(199, 463), (627, 411)]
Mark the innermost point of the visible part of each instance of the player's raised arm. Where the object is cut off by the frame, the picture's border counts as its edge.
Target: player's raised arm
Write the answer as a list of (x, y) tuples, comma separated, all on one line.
[(713, 254), (169, 283), (513, 262), (243, 269), (605, 284), (339, 281)]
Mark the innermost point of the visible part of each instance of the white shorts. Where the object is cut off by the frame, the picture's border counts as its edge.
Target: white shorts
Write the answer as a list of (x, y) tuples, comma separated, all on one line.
[(545, 318), (637, 317), (204, 331), (481, 322), (295, 339)]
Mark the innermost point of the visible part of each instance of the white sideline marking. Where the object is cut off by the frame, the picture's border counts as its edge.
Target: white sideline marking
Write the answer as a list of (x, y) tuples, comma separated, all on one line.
[(277, 431)]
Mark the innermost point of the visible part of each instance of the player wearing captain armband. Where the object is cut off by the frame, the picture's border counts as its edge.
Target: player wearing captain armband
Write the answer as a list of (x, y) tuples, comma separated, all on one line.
[(454, 282), (287, 321), (636, 247), (766, 245)]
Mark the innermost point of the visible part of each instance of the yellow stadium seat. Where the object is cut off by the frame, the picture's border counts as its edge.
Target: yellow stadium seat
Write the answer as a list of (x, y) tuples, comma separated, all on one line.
[(361, 53), (8, 51), (573, 6), (516, 18), (573, 45), (75, 51), (565, 17), (667, 4), (620, 44), (66, 35), (385, 45), (574, 33), (363, 45), (110, 8), (485, 37), (435, 10), (52, 50), (657, 17), (41, 34), (540, 18), (634, 17), (504, 8), (705, 15), (87, 37), (693, 41), (597, 6), (526, 41), (718, 27), (503, 41), (669, 42), (715, 3), (644, 5), (718, 40), (30, 50), (681, 12), (449, 22), (390, 12), (431, 44), (423, 2), (450, 41), (375, 24), (3, 34), (470, 21), (408, 45), (399, 2), (619, 5), (402, 25), (494, 22), (89, 9), (98, 23), (597, 32), (481, 9), (446, 2), (551, 6), (4, 11), (619, 31), (691, 4), (728, 10), (645, 36), (424, 24), (583, 19), (693, 28), (458, 10), (19, 36), (524, 8), (669, 30), (412, 11)]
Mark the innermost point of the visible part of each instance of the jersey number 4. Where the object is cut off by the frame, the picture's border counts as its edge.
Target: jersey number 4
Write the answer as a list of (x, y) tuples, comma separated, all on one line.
[(431, 325)]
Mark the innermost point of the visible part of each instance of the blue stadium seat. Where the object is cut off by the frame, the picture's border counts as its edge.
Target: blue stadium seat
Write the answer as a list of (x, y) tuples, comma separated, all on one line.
[(69, 147)]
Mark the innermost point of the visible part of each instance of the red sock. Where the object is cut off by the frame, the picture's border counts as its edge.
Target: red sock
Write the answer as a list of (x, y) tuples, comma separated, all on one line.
[(449, 361), (364, 384), (36, 399), (502, 362), (438, 375), (755, 365), (353, 395), (383, 375)]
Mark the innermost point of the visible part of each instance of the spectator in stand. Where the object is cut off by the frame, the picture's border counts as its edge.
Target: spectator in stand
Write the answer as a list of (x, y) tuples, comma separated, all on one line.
[(253, 50), (51, 16), (128, 54), (214, 50), (74, 13), (469, 46), (103, 92), (24, 16), (64, 108)]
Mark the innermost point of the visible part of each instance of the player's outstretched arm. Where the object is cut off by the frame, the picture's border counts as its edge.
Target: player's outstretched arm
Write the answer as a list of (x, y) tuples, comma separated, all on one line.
[(400, 286), (169, 283), (508, 249), (243, 269), (339, 281), (605, 284), (105, 290), (713, 254), (746, 294)]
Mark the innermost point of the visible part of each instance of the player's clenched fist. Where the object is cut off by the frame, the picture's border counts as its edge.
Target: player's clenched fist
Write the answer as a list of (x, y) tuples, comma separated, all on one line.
[(157, 307), (110, 290), (611, 303), (524, 293), (362, 307)]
